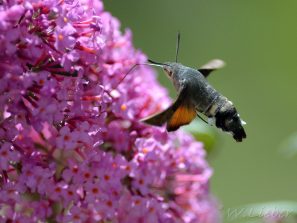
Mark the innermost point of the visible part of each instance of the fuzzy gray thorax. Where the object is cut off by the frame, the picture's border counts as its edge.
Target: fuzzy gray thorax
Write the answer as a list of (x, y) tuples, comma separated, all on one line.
[(201, 94)]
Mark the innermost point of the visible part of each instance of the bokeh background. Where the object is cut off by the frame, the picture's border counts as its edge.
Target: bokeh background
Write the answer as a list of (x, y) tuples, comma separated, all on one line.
[(258, 41)]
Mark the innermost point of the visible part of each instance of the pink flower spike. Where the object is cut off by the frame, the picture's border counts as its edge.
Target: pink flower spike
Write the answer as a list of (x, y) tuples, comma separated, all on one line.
[(72, 148)]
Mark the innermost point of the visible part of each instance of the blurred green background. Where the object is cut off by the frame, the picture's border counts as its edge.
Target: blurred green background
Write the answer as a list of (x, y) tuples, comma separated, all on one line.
[(258, 41)]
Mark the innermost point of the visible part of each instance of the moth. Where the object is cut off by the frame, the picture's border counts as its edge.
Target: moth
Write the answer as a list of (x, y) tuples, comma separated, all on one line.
[(196, 96)]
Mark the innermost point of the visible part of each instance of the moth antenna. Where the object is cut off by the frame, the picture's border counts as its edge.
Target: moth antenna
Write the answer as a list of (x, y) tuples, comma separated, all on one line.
[(177, 46)]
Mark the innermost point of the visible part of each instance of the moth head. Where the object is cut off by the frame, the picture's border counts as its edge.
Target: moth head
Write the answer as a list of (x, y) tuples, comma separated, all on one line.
[(171, 68)]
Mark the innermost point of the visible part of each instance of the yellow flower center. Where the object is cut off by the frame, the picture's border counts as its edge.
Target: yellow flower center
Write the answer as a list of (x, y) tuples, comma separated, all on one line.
[(123, 107)]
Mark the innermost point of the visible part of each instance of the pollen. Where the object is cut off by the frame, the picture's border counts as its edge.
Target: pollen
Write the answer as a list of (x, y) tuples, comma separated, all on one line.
[(41, 82), (20, 137), (145, 150), (60, 37), (58, 189), (141, 182), (128, 168), (123, 107), (87, 175), (137, 202), (75, 169), (151, 209), (65, 19), (109, 203), (106, 177), (76, 217), (66, 137), (4, 153), (28, 173), (95, 190)]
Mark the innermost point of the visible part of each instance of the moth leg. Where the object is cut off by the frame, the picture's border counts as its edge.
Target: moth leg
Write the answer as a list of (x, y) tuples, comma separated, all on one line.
[(199, 116)]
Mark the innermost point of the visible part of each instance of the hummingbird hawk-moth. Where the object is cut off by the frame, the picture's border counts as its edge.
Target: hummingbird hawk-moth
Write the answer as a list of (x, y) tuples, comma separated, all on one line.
[(196, 95)]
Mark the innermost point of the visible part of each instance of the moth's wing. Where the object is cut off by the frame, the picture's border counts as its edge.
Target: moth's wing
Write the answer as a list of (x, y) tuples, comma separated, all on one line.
[(211, 66), (160, 118), (178, 114), (183, 115)]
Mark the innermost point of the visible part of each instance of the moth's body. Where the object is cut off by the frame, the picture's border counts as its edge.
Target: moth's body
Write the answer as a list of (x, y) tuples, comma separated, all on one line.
[(196, 95)]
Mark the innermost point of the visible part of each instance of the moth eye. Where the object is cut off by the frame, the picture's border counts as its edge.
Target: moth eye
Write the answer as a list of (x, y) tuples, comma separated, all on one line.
[(169, 72)]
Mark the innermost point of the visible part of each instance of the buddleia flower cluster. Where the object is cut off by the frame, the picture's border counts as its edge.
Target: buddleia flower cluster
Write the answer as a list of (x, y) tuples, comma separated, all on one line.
[(72, 146)]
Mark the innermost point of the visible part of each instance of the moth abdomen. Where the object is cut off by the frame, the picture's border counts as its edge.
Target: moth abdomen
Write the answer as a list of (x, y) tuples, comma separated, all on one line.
[(228, 119)]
